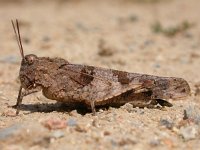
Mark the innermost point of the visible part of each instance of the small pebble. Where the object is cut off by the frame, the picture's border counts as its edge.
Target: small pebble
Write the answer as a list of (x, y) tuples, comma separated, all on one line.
[(71, 122), (154, 142), (81, 128), (101, 110), (168, 124), (189, 132), (128, 107), (74, 113), (53, 124), (193, 113), (57, 134), (8, 132)]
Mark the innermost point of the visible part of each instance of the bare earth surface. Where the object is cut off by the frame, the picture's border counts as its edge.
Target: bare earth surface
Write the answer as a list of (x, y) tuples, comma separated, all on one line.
[(111, 34)]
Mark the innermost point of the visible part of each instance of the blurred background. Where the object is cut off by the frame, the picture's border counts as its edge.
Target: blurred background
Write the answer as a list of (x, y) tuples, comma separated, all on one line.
[(158, 37)]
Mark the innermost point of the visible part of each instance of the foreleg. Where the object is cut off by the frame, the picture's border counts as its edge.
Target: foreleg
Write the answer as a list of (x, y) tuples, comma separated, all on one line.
[(21, 94)]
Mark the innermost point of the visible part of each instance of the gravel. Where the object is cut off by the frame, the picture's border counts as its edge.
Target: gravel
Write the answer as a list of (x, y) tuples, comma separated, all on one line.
[(189, 132), (8, 132)]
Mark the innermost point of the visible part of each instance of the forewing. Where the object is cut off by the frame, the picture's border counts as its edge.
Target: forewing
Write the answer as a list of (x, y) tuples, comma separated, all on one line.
[(99, 84)]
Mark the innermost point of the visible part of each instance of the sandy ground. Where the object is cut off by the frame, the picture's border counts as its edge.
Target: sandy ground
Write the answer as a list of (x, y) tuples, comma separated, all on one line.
[(74, 30)]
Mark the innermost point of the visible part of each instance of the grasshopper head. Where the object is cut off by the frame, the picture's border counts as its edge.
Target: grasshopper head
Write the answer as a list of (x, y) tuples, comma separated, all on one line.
[(27, 71)]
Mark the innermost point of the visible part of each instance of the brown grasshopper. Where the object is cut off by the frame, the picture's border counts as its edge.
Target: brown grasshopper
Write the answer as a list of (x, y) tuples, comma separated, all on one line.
[(93, 86)]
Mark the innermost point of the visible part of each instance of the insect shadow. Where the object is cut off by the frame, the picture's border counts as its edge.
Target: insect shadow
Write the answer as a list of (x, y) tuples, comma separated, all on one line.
[(60, 107), (80, 108), (54, 107)]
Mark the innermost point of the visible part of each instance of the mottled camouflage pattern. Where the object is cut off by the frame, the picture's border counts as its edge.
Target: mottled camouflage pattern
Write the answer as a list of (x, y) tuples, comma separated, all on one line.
[(71, 83)]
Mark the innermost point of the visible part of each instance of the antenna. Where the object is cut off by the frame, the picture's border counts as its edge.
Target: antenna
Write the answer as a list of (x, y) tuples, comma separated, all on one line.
[(18, 37)]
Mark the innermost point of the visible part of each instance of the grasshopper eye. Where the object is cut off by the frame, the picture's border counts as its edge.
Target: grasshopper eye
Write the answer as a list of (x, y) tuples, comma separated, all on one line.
[(30, 58)]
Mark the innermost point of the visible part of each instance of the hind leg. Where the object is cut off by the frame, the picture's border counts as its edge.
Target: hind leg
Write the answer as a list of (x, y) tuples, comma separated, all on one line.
[(151, 103)]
